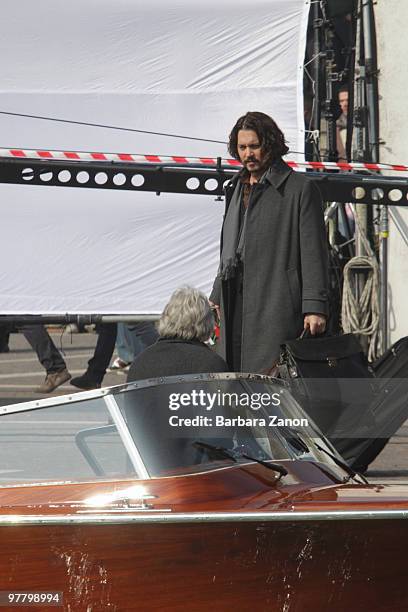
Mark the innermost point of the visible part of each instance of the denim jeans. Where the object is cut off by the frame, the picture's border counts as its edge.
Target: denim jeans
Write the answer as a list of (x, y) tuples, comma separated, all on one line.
[(133, 338)]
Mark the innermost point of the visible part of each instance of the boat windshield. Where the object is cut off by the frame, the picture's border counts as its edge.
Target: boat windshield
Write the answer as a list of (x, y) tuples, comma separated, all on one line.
[(176, 424), (151, 429)]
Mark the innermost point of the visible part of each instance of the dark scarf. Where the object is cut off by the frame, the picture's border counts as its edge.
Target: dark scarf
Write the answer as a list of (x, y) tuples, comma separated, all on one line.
[(233, 237)]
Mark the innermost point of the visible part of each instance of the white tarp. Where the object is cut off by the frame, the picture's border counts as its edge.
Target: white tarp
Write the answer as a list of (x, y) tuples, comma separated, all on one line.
[(391, 19), (182, 68)]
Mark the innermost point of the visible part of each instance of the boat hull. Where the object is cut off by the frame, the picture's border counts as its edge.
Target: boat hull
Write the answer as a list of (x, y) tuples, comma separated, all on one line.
[(271, 565)]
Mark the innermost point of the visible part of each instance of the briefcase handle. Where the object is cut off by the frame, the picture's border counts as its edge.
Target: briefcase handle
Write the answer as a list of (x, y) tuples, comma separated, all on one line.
[(306, 334)]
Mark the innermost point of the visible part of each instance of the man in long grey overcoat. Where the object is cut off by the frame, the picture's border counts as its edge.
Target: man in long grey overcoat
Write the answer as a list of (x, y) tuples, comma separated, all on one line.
[(272, 280)]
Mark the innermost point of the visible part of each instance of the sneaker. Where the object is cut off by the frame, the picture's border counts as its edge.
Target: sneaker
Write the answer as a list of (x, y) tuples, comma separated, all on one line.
[(53, 380), (85, 383), (119, 365)]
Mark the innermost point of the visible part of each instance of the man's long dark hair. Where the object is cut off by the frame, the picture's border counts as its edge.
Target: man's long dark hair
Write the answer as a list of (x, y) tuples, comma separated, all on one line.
[(270, 136)]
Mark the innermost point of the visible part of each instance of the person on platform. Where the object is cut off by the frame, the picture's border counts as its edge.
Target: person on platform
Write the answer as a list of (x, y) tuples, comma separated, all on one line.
[(341, 123), (186, 323), (272, 280)]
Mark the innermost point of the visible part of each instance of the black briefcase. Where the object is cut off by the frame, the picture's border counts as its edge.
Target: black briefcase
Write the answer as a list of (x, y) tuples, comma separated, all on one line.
[(323, 357), (331, 379)]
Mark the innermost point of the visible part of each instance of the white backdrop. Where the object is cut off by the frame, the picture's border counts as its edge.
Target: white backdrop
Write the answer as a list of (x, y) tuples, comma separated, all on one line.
[(182, 68)]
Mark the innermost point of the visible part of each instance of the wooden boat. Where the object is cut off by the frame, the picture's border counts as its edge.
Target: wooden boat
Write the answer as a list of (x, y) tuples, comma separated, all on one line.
[(104, 507)]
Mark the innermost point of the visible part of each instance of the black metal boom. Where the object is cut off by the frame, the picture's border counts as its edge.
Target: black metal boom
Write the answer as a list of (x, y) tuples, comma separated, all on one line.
[(199, 179)]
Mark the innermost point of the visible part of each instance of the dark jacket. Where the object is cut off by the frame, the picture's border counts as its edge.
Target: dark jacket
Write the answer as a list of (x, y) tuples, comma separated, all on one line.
[(285, 273), (172, 356)]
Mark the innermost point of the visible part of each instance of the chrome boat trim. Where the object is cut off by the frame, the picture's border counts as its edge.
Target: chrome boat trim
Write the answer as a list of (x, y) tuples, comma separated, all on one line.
[(127, 439), (75, 396), (203, 517), (79, 396)]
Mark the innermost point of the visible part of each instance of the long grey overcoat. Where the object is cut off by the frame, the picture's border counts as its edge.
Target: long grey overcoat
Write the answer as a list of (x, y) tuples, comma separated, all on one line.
[(285, 265)]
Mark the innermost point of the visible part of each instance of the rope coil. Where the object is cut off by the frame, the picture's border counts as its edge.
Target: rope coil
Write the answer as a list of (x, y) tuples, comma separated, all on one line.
[(362, 316)]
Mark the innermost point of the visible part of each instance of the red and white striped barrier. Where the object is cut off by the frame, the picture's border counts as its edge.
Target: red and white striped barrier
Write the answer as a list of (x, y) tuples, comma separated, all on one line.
[(113, 157), (177, 159)]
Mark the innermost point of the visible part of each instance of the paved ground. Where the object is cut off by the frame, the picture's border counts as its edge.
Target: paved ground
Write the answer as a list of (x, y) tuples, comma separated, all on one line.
[(20, 373)]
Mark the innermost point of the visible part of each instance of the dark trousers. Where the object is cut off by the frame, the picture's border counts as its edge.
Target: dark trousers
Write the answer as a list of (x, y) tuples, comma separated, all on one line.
[(47, 353), (234, 322), (105, 346)]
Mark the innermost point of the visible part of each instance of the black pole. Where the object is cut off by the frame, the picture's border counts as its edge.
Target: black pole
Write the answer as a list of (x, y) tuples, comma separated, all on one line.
[(78, 319), (330, 105), (316, 116)]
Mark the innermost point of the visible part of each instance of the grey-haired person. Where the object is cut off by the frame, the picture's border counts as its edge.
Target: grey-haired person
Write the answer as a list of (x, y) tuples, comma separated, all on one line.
[(185, 325)]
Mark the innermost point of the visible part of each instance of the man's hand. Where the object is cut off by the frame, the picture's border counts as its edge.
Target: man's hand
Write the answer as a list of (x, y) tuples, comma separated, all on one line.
[(316, 323)]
